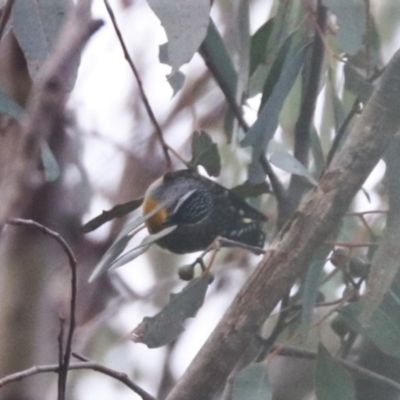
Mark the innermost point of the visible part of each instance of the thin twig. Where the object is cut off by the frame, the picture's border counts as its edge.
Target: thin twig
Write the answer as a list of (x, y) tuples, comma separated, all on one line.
[(342, 130), (350, 245), (280, 192), (73, 266), (352, 214), (229, 96), (62, 384), (291, 351), (119, 376), (143, 96)]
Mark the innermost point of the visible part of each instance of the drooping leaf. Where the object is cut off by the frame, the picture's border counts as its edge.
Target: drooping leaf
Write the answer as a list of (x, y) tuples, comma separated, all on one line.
[(383, 327), (310, 292), (286, 162), (10, 107), (205, 153), (118, 211), (252, 383), (218, 60), (332, 380), (259, 41), (266, 124), (185, 23), (176, 81), (276, 69), (165, 326), (352, 21), (36, 24), (385, 263)]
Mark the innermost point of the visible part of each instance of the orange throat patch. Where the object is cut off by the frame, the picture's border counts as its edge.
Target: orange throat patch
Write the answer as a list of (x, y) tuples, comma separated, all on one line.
[(156, 222)]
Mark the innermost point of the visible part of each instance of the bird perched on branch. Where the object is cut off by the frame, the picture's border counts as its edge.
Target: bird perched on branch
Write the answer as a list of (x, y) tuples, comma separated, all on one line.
[(201, 210)]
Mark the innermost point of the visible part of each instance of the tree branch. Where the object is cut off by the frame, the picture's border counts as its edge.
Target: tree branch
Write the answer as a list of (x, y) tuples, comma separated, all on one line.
[(119, 376), (295, 244), (145, 100)]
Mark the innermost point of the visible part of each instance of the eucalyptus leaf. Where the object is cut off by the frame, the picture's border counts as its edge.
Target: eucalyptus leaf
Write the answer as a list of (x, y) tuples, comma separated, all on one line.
[(36, 25), (266, 124), (205, 153), (252, 383), (118, 211), (288, 163), (383, 327), (310, 291), (332, 380), (258, 47), (385, 265), (185, 23), (165, 327), (218, 60)]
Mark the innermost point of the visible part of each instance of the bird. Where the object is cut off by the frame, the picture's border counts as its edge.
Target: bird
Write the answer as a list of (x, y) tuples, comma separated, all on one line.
[(201, 211)]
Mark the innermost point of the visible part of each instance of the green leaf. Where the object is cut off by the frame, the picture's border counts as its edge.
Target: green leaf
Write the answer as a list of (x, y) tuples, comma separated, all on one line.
[(166, 326), (276, 69), (385, 263), (120, 210), (258, 47), (265, 126), (383, 327), (310, 291), (252, 383), (332, 381), (185, 25), (286, 162), (36, 25), (218, 60), (352, 21), (10, 107), (205, 153), (176, 81)]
